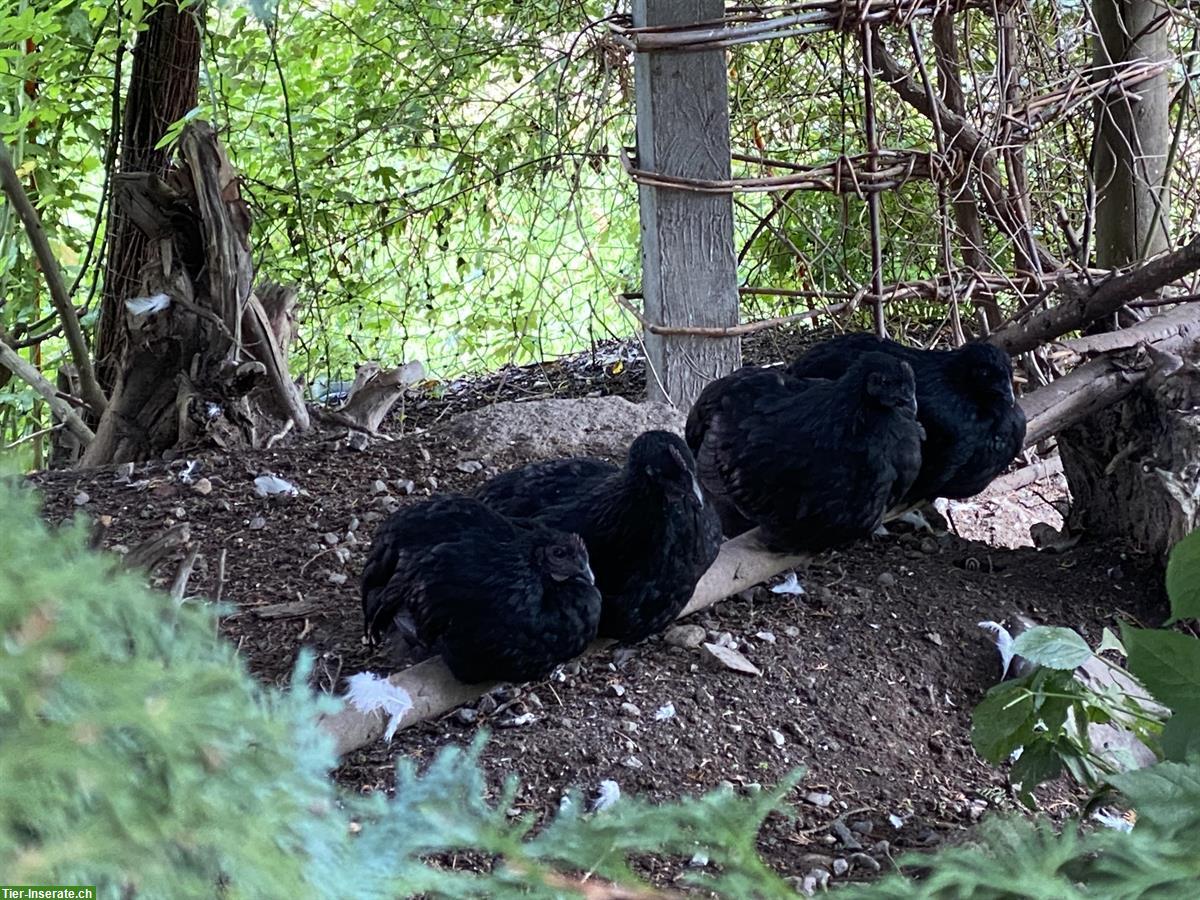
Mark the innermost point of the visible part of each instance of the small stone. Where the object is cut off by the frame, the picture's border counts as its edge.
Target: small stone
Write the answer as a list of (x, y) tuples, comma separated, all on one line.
[(687, 636), (632, 762), (840, 866), (865, 861), (258, 523), (886, 580), (357, 440), (425, 457), (616, 690), (517, 721), (881, 848), (124, 472), (470, 466), (466, 715), (372, 516), (725, 639), (82, 498), (819, 877), (777, 737), (719, 656), (179, 513), (353, 525), (622, 656), (630, 726), (342, 555), (202, 486), (934, 638), (331, 539), (378, 487), (405, 486), (338, 578), (819, 799), (791, 631), (664, 712), (574, 667), (862, 826), (432, 482), (843, 834), (698, 860), (487, 705), (765, 636), (631, 710)]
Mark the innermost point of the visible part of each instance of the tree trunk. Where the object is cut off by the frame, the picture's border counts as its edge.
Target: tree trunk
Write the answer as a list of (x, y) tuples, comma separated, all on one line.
[(689, 270), (1133, 468), (162, 89)]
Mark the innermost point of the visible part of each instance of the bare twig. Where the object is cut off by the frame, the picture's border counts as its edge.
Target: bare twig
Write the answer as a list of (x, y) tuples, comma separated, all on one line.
[(54, 281), (28, 373)]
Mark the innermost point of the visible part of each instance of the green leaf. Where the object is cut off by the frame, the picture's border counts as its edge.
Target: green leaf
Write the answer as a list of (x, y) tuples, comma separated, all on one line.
[(1038, 763), (1183, 578), (1109, 641), (1181, 735), (1166, 796), (1003, 721), (1167, 663), (1055, 648)]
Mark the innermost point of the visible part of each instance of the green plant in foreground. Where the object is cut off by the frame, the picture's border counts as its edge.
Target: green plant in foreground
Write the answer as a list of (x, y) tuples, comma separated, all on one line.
[(1160, 856), (138, 755)]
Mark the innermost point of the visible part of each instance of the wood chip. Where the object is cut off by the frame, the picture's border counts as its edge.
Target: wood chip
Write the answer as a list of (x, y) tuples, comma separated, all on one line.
[(729, 658)]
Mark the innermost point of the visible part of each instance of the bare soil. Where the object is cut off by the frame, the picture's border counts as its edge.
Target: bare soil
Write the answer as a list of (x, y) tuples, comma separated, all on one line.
[(868, 677)]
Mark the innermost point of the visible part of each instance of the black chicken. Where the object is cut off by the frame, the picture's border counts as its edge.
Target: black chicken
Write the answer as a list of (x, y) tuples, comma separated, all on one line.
[(499, 600), (649, 534), (973, 425), (814, 462)]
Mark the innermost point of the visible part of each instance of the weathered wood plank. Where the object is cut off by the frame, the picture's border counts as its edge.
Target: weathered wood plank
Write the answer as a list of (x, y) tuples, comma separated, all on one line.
[(689, 271)]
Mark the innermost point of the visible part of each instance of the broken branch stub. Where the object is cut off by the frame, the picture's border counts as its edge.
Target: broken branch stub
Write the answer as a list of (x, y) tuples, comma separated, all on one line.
[(375, 392)]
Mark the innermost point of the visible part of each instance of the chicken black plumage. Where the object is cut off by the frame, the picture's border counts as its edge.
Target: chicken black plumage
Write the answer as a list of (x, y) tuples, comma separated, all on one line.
[(499, 600), (814, 462), (974, 427), (649, 534)]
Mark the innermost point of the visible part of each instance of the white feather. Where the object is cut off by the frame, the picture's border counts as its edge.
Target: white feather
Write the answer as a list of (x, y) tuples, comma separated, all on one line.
[(143, 306), (1004, 644), (368, 692), (789, 585)]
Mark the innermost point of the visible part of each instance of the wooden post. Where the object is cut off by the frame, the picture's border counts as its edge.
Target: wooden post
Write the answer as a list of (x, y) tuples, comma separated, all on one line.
[(689, 269)]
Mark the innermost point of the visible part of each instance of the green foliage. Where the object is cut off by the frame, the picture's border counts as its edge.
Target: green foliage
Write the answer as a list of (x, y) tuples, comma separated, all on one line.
[(136, 753), (1183, 578), (1045, 714), (1055, 648)]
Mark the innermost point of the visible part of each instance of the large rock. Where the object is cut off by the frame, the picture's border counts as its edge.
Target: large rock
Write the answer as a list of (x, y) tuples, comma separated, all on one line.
[(591, 426)]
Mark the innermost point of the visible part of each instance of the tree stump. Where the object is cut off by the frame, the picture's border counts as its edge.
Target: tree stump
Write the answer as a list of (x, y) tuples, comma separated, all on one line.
[(1133, 468), (202, 354)]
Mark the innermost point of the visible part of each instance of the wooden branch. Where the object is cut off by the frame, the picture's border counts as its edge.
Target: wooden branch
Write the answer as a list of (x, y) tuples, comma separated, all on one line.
[(1107, 379), (1078, 308), (260, 342), (54, 281), (741, 564), (27, 372), (1025, 476), (151, 552), (375, 392)]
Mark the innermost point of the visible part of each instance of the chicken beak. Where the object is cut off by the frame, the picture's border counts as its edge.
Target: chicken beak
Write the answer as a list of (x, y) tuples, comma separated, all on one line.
[(591, 576), (696, 490)]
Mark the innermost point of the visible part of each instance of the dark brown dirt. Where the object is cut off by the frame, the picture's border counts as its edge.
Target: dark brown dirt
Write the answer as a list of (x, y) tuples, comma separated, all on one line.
[(868, 678)]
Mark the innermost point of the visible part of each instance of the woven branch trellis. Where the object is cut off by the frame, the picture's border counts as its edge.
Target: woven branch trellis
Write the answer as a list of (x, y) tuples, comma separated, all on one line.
[(976, 163)]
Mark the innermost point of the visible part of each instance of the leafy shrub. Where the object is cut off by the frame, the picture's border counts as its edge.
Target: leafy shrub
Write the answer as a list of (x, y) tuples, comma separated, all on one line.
[(137, 754), (1160, 856)]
